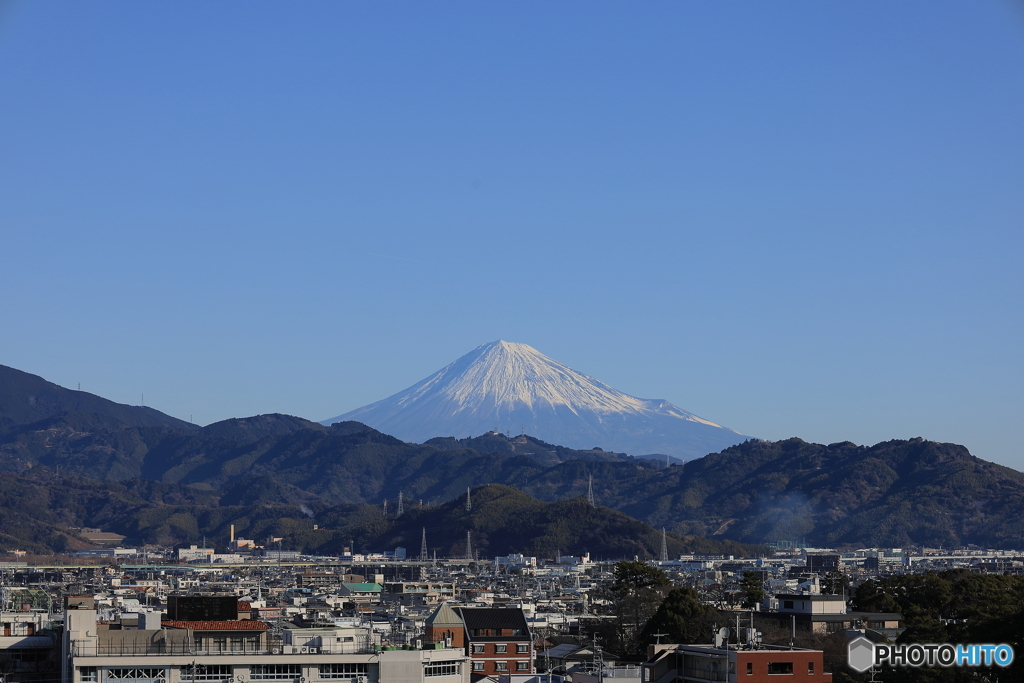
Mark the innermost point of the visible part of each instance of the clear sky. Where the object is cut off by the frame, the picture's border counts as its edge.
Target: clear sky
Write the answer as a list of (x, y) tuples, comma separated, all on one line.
[(794, 219)]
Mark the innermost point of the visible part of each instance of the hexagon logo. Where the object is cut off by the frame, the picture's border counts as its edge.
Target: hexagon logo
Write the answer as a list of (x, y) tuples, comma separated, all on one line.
[(860, 654)]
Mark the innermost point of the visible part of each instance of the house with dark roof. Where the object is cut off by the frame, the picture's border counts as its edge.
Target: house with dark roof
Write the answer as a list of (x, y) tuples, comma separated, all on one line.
[(497, 639)]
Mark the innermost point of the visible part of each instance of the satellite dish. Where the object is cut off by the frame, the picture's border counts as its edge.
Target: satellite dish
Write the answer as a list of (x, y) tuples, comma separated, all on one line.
[(722, 637)]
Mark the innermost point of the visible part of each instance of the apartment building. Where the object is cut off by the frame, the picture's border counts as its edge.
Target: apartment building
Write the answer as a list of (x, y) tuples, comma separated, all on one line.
[(239, 652)]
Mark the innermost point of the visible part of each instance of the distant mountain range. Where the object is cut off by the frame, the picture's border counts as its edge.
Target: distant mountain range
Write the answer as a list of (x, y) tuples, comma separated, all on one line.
[(141, 473), (504, 386)]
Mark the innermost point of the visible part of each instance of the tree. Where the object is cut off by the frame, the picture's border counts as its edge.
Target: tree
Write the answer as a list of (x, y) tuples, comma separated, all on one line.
[(752, 586), (635, 594), (835, 583), (682, 618)]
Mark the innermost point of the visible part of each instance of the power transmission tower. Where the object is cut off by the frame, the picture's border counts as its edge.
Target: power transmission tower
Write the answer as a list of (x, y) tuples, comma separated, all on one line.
[(590, 491), (385, 507), (469, 503), (664, 546), (423, 546), (401, 507), (469, 547)]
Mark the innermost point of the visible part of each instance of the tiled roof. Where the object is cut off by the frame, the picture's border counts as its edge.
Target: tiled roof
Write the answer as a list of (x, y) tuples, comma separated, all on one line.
[(444, 615), (244, 606), (494, 618), (244, 625)]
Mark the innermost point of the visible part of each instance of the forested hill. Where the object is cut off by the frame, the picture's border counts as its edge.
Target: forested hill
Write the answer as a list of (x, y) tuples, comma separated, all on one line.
[(897, 493), (894, 493), (39, 511), (26, 398)]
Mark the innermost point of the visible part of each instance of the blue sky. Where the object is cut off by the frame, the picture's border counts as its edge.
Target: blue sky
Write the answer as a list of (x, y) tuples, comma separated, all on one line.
[(794, 219)]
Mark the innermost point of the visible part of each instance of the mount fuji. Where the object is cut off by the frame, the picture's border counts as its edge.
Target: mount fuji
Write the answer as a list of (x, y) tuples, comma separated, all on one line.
[(505, 386)]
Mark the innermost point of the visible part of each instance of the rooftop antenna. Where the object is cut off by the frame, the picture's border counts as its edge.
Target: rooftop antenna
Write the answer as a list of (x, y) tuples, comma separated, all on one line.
[(423, 546), (469, 547), (590, 491), (658, 636), (401, 507), (469, 502), (664, 546)]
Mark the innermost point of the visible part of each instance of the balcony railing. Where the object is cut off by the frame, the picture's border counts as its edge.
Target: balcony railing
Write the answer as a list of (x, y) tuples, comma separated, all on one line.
[(133, 649)]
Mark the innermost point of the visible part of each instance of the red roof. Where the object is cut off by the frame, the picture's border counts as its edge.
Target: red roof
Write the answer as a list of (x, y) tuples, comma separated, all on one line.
[(244, 606), (243, 625)]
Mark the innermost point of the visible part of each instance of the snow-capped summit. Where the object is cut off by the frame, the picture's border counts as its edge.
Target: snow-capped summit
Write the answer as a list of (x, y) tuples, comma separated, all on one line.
[(508, 386)]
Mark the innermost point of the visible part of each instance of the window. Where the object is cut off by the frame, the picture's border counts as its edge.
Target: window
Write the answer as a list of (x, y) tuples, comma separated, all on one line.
[(500, 649), (478, 666), (344, 670), (522, 647), (522, 666), (501, 666), (810, 668), (275, 672), (750, 668), (446, 668), (780, 667), (206, 672), (478, 649), (87, 674), (236, 643), (220, 644)]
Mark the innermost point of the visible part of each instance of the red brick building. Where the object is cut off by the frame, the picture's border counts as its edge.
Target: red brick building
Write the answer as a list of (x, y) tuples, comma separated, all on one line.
[(496, 639)]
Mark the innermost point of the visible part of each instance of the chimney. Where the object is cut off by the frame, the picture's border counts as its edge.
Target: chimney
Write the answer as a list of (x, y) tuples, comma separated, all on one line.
[(232, 534)]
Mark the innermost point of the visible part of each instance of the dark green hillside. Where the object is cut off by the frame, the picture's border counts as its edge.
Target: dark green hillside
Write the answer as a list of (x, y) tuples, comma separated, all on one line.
[(38, 509), (99, 445), (892, 494), (504, 520), (26, 398), (896, 493)]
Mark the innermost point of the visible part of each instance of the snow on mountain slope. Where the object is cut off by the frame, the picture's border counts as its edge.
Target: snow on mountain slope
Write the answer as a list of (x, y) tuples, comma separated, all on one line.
[(508, 387)]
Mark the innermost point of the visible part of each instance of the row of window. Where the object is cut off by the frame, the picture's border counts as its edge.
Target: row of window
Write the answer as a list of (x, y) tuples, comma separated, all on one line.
[(445, 668), (501, 666), (225, 644), (500, 648), (213, 673), (780, 668)]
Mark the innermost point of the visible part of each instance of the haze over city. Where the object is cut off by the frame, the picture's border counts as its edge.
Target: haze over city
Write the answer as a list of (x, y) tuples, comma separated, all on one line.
[(791, 219)]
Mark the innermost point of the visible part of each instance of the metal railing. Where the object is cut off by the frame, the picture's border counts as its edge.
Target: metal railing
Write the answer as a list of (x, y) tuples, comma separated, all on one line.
[(136, 649)]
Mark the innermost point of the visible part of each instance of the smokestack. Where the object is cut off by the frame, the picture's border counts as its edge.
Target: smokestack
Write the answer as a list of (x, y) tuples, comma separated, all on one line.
[(232, 534)]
